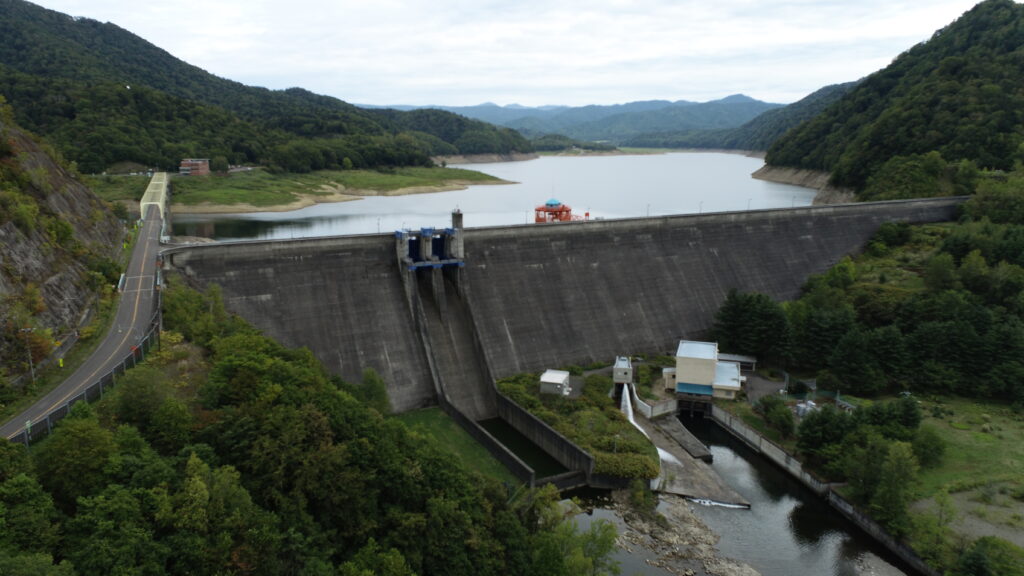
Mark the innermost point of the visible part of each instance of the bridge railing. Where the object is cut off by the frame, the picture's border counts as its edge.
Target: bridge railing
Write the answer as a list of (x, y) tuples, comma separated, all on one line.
[(41, 428)]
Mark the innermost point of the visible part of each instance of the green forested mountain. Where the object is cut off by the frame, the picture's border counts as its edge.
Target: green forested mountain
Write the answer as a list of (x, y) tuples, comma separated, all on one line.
[(757, 134), (103, 95), (960, 94)]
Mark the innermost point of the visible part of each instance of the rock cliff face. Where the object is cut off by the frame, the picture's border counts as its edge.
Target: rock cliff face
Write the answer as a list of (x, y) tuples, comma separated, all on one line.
[(58, 242)]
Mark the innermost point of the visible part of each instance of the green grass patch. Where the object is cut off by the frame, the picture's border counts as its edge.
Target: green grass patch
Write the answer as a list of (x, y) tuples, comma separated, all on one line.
[(261, 188), (984, 444), (434, 423), (115, 188), (756, 421)]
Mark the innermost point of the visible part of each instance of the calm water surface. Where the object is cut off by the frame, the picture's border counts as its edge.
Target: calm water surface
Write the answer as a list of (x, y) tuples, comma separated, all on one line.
[(788, 530), (606, 186)]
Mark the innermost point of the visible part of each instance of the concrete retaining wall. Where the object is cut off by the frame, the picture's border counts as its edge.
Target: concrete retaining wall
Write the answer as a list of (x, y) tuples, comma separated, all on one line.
[(905, 553), (782, 459), (768, 449), (559, 447), (517, 467), (652, 411)]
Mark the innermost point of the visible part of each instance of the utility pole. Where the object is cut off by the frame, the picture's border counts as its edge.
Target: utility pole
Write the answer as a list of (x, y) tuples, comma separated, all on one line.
[(28, 349)]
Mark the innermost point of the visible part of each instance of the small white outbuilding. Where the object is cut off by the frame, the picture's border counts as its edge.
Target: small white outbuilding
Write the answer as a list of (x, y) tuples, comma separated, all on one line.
[(555, 382)]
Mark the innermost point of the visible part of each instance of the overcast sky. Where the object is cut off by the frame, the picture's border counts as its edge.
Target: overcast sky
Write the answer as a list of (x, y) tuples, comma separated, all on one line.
[(532, 52)]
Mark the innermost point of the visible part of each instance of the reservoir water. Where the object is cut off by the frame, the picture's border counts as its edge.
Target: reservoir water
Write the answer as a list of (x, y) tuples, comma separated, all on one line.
[(604, 186)]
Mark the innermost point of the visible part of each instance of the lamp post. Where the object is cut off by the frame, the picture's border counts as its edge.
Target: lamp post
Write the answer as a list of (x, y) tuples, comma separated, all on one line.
[(28, 349)]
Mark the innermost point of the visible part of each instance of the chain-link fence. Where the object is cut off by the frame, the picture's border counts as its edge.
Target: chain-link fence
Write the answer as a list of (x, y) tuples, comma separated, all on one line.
[(41, 428)]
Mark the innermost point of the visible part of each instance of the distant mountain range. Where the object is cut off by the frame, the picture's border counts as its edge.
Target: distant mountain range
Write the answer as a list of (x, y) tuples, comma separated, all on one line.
[(617, 123), (757, 134)]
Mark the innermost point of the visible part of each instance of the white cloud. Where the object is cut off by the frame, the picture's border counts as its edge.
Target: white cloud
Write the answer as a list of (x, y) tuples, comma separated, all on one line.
[(533, 51)]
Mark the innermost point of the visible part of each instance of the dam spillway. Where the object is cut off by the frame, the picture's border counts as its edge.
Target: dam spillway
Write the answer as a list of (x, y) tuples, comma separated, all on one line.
[(532, 296)]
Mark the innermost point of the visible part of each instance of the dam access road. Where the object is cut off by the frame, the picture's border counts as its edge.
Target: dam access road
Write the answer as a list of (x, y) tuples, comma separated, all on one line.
[(133, 319)]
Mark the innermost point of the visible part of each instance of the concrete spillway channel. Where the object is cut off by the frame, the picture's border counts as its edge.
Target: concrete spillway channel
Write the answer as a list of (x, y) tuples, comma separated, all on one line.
[(464, 384), (460, 369)]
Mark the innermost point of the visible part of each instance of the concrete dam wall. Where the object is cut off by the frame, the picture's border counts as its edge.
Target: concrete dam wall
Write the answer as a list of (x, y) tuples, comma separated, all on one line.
[(341, 297), (537, 295)]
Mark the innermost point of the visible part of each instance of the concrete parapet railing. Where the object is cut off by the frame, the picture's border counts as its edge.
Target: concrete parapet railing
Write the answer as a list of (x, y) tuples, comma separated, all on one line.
[(788, 463), (560, 448)]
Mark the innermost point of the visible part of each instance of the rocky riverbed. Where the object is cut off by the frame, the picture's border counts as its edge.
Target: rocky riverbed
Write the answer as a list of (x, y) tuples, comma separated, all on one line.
[(677, 543)]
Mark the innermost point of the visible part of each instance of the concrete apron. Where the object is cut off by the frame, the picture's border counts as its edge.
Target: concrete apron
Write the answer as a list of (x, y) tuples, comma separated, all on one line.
[(684, 475)]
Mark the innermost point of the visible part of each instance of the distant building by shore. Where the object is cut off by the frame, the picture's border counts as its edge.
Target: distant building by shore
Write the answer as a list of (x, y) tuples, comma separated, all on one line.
[(194, 167)]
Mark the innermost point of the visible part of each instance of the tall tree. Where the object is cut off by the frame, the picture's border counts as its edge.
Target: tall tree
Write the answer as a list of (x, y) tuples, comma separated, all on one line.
[(895, 492)]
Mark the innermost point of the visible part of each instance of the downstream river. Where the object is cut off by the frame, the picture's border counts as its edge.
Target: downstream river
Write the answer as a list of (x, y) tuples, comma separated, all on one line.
[(604, 186), (788, 530)]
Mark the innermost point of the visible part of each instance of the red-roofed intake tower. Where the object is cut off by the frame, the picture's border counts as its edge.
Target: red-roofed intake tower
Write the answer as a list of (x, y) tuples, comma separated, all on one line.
[(555, 211)]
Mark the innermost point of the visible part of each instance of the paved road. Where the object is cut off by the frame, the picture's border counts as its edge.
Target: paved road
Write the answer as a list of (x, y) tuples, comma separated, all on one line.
[(134, 313)]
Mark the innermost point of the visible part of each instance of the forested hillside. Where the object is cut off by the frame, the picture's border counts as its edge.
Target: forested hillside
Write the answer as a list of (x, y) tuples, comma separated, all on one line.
[(229, 454), (757, 134), (103, 95), (960, 94), (934, 316)]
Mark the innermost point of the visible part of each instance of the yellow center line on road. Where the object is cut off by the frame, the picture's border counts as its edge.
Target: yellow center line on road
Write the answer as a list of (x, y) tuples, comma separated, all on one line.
[(88, 379)]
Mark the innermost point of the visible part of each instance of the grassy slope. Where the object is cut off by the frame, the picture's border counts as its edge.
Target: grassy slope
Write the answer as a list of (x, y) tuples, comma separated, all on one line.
[(261, 188), (984, 444), (433, 422)]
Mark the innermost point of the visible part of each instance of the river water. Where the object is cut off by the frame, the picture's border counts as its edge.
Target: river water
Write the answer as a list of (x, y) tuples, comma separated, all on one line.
[(788, 529), (604, 186)]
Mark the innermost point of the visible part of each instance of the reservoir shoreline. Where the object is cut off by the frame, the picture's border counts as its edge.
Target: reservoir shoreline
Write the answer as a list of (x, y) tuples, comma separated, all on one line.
[(340, 194)]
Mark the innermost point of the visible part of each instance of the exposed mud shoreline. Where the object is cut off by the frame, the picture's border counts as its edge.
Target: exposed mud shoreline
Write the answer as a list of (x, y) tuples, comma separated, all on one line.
[(816, 179), (483, 158)]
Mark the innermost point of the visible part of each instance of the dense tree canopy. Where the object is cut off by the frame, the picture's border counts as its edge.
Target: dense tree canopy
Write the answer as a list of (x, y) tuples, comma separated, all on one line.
[(274, 469), (957, 94)]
